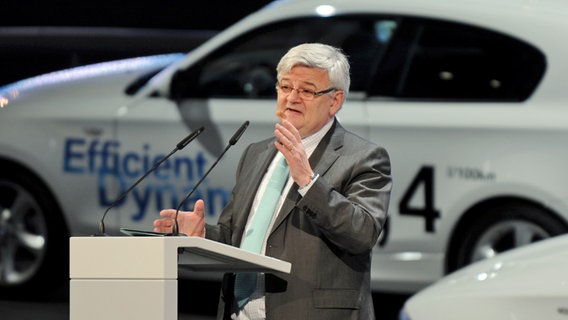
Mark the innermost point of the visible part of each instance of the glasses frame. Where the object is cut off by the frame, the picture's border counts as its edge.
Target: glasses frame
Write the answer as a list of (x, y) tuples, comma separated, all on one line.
[(313, 95)]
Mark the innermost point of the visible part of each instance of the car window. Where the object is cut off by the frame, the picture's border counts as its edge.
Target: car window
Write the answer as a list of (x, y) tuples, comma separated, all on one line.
[(246, 67), (391, 56), (430, 59)]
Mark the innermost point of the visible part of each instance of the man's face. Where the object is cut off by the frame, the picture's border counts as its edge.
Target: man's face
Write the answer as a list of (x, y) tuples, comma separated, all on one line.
[(308, 116)]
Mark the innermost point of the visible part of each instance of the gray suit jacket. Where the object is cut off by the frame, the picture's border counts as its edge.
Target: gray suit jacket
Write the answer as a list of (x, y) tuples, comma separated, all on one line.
[(327, 235)]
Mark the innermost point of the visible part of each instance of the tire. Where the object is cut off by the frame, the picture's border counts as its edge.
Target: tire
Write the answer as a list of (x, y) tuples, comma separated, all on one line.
[(501, 228), (34, 245)]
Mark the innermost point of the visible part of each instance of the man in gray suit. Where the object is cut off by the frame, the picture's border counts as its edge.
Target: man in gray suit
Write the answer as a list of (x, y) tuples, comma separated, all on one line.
[(330, 212)]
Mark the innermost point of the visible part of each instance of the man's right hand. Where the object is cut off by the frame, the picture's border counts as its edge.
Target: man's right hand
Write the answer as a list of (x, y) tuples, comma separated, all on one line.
[(190, 223)]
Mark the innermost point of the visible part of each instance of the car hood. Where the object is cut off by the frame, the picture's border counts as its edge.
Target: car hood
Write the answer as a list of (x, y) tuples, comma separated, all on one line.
[(506, 284), (115, 79)]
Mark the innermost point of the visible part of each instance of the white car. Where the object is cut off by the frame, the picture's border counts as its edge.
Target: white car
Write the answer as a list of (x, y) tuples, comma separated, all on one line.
[(525, 283), (468, 96)]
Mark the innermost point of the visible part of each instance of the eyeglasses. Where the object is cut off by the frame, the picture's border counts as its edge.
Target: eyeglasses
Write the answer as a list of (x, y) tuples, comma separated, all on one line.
[(305, 94)]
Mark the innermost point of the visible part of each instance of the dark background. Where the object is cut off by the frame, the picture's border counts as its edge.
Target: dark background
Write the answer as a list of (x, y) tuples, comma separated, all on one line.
[(41, 36), (163, 14)]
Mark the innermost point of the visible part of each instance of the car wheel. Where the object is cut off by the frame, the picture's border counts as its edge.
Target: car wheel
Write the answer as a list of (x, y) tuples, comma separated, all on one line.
[(33, 238), (502, 228)]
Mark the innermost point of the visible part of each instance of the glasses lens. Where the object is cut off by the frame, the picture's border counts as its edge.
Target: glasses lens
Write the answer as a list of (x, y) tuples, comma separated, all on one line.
[(306, 94), (284, 89)]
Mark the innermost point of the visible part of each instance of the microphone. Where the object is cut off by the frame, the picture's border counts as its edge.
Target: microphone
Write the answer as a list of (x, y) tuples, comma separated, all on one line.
[(232, 141), (179, 146)]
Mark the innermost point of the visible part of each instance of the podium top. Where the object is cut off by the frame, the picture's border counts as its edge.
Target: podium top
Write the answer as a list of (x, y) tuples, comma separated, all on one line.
[(159, 257)]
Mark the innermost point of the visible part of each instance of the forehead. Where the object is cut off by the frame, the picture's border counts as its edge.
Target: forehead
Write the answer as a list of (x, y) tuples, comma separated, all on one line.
[(305, 75)]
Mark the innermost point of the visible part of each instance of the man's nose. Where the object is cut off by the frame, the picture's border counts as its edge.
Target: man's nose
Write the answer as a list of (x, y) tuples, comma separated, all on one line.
[(294, 95)]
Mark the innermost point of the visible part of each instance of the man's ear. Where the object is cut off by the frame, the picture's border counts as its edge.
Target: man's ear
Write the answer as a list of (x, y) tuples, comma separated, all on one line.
[(337, 101)]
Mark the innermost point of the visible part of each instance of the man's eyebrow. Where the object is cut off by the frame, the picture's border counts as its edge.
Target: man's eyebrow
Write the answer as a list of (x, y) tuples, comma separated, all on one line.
[(303, 82)]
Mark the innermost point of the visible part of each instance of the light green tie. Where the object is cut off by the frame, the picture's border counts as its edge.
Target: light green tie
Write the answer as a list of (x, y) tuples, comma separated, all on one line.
[(245, 283)]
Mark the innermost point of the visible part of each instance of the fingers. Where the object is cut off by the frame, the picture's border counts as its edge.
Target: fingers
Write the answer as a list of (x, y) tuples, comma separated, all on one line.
[(290, 145), (168, 213), (165, 223), (199, 208), (288, 137), (167, 216), (292, 130)]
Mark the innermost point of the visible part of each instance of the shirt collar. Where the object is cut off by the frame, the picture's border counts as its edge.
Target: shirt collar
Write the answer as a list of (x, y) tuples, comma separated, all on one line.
[(311, 142)]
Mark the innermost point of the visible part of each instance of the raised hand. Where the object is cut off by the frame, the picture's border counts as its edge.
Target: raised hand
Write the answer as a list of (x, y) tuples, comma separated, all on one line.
[(290, 145)]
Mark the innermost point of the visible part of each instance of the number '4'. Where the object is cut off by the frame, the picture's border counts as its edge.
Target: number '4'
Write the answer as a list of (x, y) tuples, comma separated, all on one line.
[(424, 177)]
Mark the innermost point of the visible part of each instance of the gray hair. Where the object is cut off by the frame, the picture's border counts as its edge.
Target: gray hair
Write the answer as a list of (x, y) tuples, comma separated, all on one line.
[(320, 56)]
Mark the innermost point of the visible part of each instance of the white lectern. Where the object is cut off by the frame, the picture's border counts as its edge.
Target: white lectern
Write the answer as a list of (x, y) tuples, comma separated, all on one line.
[(136, 277)]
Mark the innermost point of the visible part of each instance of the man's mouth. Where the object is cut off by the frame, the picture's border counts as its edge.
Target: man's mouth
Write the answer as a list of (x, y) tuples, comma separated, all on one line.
[(293, 110)]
